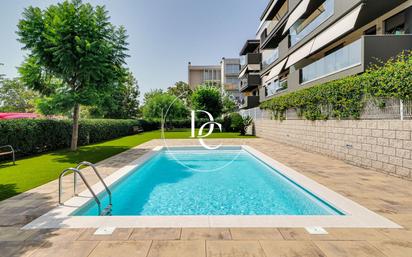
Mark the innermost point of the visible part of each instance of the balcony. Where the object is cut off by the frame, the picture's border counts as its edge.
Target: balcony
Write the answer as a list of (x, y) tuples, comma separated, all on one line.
[(304, 26), (249, 102), (342, 59), (231, 87), (359, 55), (249, 82), (269, 56), (251, 61)]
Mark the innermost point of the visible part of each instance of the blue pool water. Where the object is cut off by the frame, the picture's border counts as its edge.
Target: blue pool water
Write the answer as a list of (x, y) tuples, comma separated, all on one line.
[(208, 182)]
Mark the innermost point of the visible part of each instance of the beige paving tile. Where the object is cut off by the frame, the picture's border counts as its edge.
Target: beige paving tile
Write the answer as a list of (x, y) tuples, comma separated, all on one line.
[(177, 249), (405, 220), (14, 234), (121, 249), (205, 233), (334, 234), (55, 235), (118, 235), (291, 249), (348, 249), (255, 234), (394, 248), (15, 220), (234, 249), (398, 234), (155, 234), (66, 249), (18, 248)]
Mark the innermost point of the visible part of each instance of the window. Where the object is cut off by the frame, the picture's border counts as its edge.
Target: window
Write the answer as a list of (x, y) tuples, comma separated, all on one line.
[(275, 86), (279, 15), (309, 22), (231, 80), (396, 24), (232, 68), (210, 75), (269, 56)]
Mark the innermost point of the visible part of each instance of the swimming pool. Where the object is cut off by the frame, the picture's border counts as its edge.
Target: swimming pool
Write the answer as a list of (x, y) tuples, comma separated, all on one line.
[(184, 186), (196, 181)]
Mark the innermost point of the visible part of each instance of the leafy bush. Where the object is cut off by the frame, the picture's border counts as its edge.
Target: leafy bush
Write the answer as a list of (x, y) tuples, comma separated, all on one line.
[(38, 135), (227, 124), (208, 98), (159, 104), (239, 123), (344, 98)]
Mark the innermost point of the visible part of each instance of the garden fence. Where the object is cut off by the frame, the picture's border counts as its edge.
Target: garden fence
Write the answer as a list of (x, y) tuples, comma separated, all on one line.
[(374, 109)]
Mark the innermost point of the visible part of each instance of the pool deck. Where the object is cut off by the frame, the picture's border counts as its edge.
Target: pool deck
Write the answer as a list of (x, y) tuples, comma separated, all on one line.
[(386, 195)]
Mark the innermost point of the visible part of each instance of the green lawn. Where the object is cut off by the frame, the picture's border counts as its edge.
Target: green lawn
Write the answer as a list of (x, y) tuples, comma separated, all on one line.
[(34, 171)]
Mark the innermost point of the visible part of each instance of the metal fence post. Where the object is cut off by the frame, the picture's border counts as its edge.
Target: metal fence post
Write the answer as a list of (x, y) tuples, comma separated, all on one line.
[(401, 108)]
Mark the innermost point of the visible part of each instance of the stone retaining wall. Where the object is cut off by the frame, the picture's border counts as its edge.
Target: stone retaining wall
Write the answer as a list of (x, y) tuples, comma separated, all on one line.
[(382, 145)]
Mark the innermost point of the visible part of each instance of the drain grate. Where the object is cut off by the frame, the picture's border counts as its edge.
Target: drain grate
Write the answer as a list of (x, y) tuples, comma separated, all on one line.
[(104, 231), (316, 231)]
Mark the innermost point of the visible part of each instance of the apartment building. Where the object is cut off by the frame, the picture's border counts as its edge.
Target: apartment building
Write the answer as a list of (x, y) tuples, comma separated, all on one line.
[(308, 42), (204, 74), (224, 75)]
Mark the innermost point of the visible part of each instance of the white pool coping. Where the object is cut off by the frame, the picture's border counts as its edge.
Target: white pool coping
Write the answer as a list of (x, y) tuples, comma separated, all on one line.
[(356, 216)]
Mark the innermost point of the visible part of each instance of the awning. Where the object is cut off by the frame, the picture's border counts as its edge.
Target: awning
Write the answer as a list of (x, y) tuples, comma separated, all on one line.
[(268, 10), (301, 53), (276, 70), (338, 29), (243, 72), (296, 14), (341, 27)]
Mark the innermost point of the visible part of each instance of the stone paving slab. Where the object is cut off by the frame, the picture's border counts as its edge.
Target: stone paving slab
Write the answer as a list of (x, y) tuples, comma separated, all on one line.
[(386, 195), (206, 234)]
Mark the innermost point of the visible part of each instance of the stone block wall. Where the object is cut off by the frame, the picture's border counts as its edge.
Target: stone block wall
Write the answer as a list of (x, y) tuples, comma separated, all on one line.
[(381, 145)]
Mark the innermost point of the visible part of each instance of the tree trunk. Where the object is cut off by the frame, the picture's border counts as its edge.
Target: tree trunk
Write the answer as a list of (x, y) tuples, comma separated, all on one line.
[(75, 130)]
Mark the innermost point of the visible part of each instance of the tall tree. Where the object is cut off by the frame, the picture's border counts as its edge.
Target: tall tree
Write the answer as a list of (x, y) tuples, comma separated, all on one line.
[(182, 90), (208, 98), (164, 106), (15, 97), (122, 102), (1, 75), (75, 54), (149, 95)]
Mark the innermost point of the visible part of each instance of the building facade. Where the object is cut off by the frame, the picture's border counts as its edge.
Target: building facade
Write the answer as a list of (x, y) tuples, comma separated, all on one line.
[(308, 42), (225, 75), (204, 74)]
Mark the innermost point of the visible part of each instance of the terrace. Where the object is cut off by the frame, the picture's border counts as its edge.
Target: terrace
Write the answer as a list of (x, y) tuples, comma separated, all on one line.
[(350, 181)]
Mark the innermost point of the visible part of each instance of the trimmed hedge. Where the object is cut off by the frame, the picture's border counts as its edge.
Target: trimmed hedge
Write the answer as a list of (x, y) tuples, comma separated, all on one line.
[(32, 136), (186, 123), (344, 98)]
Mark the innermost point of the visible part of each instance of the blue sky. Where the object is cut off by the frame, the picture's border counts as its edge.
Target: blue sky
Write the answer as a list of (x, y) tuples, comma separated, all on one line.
[(163, 35)]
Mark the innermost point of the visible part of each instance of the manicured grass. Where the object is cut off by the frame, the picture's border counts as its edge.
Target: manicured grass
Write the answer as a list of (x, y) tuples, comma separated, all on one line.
[(34, 171)]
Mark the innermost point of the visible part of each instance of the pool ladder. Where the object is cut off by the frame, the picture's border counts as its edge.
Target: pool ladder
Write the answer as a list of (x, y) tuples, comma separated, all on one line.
[(76, 171)]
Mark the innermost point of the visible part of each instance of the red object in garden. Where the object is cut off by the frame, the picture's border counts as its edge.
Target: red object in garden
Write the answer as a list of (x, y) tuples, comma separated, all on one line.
[(17, 115)]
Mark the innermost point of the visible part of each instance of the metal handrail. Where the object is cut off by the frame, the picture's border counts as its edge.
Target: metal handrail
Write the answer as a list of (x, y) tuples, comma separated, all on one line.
[(84, 163), (12, 151), (84, 181)]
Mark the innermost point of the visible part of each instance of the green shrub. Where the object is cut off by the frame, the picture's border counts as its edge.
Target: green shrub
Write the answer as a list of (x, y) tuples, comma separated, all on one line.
[(208, 98), (344, 98), (227, 124), (32, 136), (239, 123), (186, 123)]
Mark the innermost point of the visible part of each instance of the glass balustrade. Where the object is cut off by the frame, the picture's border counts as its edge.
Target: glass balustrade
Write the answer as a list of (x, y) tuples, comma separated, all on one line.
[(344, 58)]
